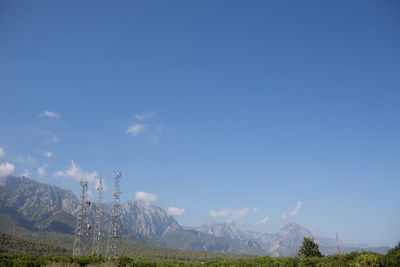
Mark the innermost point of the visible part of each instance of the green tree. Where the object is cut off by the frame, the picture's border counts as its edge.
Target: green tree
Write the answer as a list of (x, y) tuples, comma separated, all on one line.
[(309, 248)]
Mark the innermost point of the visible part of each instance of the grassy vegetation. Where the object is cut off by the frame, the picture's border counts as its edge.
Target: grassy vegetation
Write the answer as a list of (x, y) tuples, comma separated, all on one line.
[(351, 259), (10, 226), (14, 245), (9, 244), (22, 252), (22, 246)]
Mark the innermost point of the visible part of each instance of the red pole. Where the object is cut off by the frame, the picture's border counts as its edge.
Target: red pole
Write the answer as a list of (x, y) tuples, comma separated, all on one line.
[(337, 241)]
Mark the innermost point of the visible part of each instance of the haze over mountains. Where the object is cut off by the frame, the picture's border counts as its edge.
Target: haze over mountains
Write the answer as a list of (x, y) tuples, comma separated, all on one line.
[(42, 207)]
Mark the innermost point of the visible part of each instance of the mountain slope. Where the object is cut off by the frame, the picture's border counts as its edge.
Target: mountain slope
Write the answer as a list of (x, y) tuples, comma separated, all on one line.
[(29, 208), (42, 206), (147, 219), (229, 231), (284, 243), (160, 228), (36, 209), (13, 245)]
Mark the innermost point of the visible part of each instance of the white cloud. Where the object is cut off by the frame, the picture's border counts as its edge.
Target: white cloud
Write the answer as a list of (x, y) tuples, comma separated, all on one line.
[(146, 197), (136, 129), (6, 169), (176, 212), (42, 171), (294, 212), (47, 154), (75, 172), (2, 152), (297, 209), (230, 213), (146, 116), (25, 173), (49, 114), (266, 219)]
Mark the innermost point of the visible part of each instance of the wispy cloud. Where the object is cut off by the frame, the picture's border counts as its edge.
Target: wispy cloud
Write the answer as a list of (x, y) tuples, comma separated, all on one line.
[(144, 124), (297, 209), (28, 159), (42, 171), (53, 140), (6, 169), (176, 212), (50, 134), (49, 114), (47, 154), (2, 152), (231, 214), (146, 116), (136, 129), (146, 197), (294, 212), (75, 172), (265, 220)]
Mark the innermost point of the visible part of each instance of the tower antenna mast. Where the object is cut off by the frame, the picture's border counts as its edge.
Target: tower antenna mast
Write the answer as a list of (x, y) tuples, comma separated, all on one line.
[(82, 226), (98, 235), (115, 218)]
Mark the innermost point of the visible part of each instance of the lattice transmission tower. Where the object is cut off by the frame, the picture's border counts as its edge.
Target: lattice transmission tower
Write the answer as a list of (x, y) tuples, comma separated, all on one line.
[(114, 235), (82, 226), (98, 234)]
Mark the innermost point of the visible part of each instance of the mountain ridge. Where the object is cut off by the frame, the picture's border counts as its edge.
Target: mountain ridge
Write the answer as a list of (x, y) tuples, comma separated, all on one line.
[(47, 207)]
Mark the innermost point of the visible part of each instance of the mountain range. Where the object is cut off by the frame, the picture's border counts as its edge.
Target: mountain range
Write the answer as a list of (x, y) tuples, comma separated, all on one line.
[(42, 207)]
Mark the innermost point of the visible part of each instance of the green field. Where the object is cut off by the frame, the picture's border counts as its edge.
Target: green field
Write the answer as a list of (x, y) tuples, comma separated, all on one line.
[(15, 251)]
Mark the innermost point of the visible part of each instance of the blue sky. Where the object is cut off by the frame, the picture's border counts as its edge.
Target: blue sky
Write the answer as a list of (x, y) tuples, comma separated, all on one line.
[(223, 110)]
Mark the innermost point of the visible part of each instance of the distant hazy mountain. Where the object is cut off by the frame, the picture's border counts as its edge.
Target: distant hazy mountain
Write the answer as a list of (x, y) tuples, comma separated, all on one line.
[(160, 228), (285, 243), (47, 207), (229, 231)]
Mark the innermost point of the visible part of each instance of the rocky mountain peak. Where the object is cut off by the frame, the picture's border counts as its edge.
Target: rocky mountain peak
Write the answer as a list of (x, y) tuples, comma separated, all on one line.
[(230, 230), (34, 200), (294, 230), (147, 219)]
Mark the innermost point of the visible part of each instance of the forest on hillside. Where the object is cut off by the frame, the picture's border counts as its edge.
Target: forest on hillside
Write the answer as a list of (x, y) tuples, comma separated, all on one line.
[(16, 251)]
